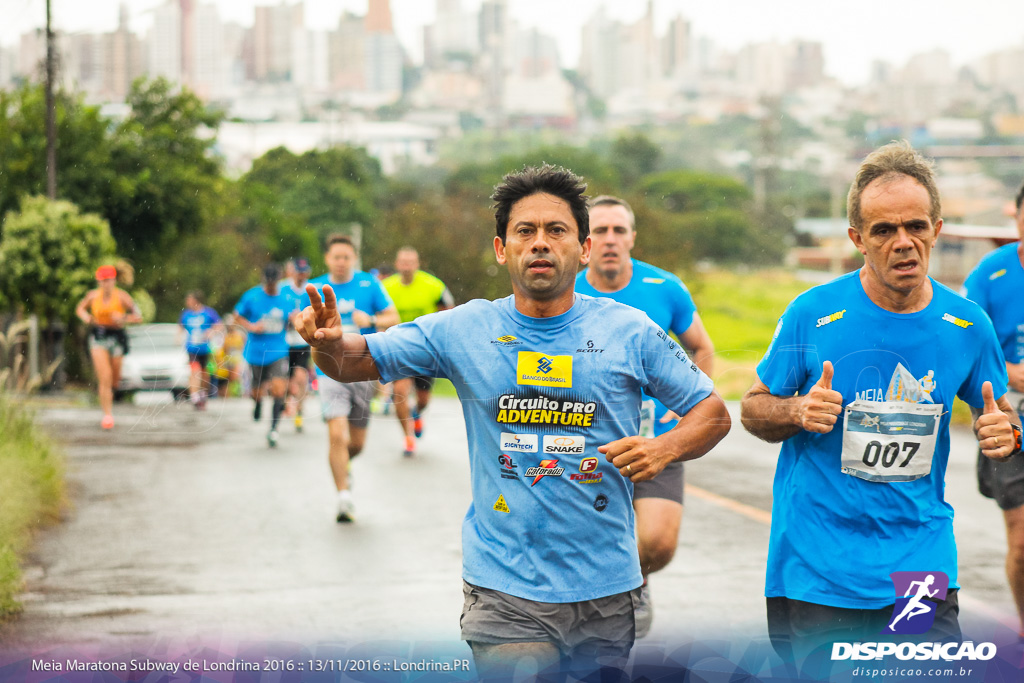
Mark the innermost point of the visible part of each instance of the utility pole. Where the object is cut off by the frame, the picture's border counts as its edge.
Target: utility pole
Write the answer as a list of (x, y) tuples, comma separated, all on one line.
[(51, 114)]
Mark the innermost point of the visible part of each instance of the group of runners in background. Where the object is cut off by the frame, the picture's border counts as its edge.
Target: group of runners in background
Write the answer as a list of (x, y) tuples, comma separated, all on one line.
[(849, 361)]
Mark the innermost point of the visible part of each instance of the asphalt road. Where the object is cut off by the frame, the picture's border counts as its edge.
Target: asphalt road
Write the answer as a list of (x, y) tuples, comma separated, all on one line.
[(184, 527)]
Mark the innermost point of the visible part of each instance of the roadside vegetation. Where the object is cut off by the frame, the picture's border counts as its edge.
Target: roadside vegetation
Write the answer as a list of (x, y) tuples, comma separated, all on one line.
[(31, 491)]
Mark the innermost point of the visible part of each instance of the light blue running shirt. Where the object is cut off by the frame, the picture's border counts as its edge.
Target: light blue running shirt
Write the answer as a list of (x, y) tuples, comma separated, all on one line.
[(835, 538), (663, 297), (362, 292), (997, 285), (258, 306), (551, 518)]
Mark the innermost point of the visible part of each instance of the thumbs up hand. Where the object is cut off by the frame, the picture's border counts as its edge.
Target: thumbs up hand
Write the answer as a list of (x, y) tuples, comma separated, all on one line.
[(820, 407), (992, 428)]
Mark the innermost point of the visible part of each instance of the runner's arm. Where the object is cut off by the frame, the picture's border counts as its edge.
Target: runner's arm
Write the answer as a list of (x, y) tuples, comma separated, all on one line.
[(343, 357), (1016, 374), (698, 341), (380, 321), (81, 309), (133, 315), (696, 433), (776, 418)]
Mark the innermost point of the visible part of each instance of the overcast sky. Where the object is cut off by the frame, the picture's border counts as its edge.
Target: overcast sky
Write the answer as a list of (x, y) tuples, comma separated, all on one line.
[(853, 34)]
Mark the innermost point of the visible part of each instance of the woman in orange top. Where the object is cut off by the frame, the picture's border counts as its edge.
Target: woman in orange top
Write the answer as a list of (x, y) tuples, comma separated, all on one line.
[(107, 310)]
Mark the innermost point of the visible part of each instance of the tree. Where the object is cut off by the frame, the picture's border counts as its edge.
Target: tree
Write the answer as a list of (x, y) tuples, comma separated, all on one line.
[(293, 201), (635, 156), (48, 255), (83, 139), (167, 179)]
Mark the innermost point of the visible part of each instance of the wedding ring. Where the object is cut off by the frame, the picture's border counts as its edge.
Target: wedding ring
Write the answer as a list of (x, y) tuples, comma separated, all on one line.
[(629, 469)]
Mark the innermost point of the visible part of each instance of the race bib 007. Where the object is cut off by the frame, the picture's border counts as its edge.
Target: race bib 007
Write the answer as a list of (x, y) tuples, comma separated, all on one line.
[(890, 440)]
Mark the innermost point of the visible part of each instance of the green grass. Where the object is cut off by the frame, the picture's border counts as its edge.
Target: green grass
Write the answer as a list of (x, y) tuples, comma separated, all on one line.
[(31, 491), (740, 312)]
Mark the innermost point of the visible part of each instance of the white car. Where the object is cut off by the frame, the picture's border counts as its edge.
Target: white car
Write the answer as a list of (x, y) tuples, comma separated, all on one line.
[(156, 361)]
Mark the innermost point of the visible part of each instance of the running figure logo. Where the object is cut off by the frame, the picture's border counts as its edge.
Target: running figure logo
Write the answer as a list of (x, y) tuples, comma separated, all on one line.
[(913, 614)]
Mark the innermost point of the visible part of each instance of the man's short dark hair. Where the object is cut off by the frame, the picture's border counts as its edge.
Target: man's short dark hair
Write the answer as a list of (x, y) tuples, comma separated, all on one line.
[(196, 294), (1020, 197), (339, 238), (545, 179)]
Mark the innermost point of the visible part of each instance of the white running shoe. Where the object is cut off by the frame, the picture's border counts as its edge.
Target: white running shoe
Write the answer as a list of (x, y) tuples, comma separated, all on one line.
[(346, 508), (272, 438)]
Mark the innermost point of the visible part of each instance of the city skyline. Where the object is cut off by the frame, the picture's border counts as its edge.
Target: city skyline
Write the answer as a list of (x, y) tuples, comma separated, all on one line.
[(848, 53)]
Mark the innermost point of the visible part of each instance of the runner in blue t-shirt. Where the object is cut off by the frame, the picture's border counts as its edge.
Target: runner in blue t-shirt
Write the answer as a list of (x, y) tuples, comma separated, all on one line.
[(551, 385), (364, 307), (664, 298), (858, 384), (198, 322), (997, 285), (299, 356), (264, 312)]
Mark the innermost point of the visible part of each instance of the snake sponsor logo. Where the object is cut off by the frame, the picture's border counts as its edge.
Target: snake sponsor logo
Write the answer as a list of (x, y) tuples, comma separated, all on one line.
[(520, 443), (544, 370), (547, 468), (563, 445)]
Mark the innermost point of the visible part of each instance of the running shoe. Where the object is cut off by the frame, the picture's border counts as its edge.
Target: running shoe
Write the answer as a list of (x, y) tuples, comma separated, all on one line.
[(107, 422), (346, 508), (643, 615), (417, 423), (257, 412), (298, 424), (410, 447), (272, 438)]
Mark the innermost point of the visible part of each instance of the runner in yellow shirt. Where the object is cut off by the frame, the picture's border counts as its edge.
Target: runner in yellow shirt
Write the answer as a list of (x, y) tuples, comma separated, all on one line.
[(415, 293)]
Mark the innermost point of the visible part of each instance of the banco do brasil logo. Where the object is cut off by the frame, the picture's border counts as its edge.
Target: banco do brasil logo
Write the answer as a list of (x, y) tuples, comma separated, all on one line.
[(544, 365), (914, 611)]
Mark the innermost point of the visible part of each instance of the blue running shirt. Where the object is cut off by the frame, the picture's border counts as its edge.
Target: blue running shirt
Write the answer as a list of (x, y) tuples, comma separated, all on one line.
[(997, 285), (273, 311), (835, 538), (551, 518), (665, 300), (197, 324), (362, 292)]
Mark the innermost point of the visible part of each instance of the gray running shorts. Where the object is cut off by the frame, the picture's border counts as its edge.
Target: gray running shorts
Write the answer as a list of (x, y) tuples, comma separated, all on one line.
[(580, 630), (1003, 482), (262, 374), (668, 484), (346, 399)]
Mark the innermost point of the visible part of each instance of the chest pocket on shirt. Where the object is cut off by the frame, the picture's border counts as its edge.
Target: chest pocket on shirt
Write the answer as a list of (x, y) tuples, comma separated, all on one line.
[(889, 441)]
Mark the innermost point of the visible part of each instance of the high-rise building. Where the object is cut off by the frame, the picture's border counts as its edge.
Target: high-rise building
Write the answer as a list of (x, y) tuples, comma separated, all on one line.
[(347, 54), (273, 33), (454, 33), (124, 59), (209, 63), (165, 57), (384, 58), (676, 48)]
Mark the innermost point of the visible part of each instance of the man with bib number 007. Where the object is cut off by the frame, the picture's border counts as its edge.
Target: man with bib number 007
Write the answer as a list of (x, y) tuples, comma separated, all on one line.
[(857, 384)]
